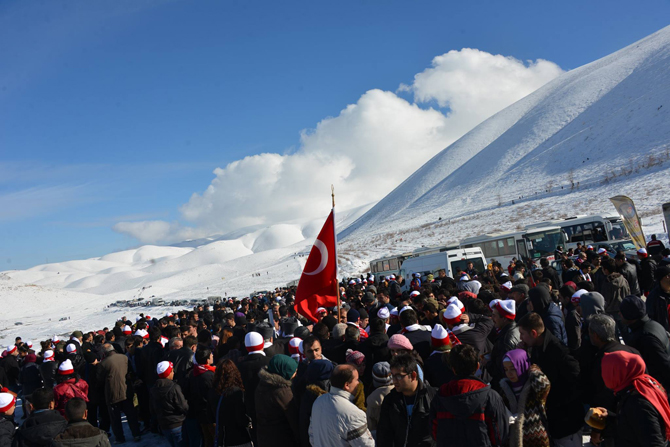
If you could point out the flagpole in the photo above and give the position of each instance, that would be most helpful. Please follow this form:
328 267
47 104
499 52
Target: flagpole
337 288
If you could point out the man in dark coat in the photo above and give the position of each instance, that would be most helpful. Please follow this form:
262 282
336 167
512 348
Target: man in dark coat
503 317
466 411
565 413
550 272
405 413
629 271
48 369
648 268
249 366
182 358
168 402
648 337
659 298
418 335
7 424
196 387
43 424
78 432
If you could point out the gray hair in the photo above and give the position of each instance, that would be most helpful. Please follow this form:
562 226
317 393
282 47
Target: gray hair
338 331
603 326
174 340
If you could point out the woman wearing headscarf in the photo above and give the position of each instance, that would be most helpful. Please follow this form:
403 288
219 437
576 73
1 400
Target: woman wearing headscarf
540 302
643 413
276 410
524 392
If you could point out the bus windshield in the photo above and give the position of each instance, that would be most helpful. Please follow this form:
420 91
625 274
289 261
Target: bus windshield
618 230
544 243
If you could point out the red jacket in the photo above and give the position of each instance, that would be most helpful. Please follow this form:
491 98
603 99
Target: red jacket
65 391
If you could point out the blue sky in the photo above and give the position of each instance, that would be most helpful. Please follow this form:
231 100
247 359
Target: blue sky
120 111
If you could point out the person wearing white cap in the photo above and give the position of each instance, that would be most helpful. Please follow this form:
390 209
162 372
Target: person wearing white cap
7 408
503 315
249 366
437 371
395 291
168 403
69 385
648 268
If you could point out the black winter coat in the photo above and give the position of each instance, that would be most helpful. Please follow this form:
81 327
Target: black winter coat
649 337
629 271
249 366
196 388
182 361
564 409
436 371
11 366
7 430
392 430
421 341
232 426
638 422
507 340
647 274
30 378
551 273
477 334
657 306
168 404
146 360
49 371
276 412
39 429
467 412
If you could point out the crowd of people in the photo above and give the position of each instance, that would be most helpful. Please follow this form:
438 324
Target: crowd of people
517 355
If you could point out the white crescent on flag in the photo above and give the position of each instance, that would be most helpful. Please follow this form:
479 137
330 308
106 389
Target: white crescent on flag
324 258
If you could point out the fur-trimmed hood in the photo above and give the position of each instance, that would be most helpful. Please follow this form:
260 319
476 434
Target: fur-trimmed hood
269 380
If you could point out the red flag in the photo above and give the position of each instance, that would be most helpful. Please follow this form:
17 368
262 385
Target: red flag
318 284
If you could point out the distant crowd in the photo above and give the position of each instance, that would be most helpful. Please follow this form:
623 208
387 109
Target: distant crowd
518 355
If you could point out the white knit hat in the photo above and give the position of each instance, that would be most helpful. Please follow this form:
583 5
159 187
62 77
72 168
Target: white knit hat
456 301
127 330
71 348
394 311
452 314
414 293
253 341
404 309
66 368
11 349
163 369
48 355
506 309
7 401
507 285
601 251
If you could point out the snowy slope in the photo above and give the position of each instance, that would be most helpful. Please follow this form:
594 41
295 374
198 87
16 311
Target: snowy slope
593 120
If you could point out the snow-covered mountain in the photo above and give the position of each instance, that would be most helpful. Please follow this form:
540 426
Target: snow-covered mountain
590 127
597 131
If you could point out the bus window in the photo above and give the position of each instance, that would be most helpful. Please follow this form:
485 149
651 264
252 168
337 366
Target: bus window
544 243
506 247
394 264
386 266
521 249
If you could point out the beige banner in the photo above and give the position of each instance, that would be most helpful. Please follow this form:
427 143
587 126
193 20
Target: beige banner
626 208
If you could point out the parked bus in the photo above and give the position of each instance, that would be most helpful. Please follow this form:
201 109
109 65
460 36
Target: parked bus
501 247
588 229
389 265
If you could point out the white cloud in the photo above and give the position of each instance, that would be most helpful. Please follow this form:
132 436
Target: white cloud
365 151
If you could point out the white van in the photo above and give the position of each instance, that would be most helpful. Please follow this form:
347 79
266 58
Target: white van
451 261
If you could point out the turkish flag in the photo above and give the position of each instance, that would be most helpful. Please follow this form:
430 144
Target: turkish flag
318 285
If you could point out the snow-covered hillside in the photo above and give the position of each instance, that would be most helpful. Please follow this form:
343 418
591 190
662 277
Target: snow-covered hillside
598 127
597 131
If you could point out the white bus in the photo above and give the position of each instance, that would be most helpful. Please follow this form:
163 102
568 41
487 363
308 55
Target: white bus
587 229
389 265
